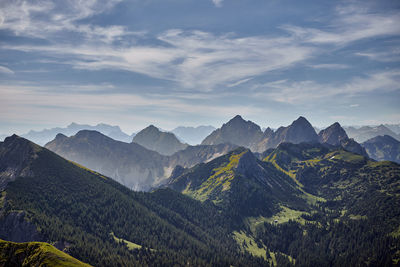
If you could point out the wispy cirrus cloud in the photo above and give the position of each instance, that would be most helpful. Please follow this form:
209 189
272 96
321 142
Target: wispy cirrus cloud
48 19
351 23
6 70
308 91
390 55
193 59
330 66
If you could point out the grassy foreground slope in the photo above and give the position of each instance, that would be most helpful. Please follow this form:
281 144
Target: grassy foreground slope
35 254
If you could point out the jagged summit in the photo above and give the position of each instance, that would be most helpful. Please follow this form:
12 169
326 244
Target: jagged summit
236 131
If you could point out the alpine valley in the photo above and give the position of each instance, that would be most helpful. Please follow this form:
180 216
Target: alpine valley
243 197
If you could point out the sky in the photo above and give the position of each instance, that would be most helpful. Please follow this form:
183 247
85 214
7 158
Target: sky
197 62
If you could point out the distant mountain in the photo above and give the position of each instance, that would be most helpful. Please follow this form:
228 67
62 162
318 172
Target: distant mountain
35 254
394 128
250 136
192 135
383 148
129 163
336 135
164 143
96 220
236 131
364 133
45 136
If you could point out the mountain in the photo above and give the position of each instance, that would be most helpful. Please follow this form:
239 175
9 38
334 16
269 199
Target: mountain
335 135
394 128
285 209
302 199
130 164
192 135
34 254
98 221
383 148
238 183
298 132
247 134
163 142
236 131
364 133
45 136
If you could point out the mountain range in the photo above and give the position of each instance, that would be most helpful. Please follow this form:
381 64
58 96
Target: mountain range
308 199
130 164
46 135
364 133
93 218
235 209
250 135
149 160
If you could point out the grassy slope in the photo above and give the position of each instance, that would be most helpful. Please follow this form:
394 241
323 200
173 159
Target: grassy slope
35 254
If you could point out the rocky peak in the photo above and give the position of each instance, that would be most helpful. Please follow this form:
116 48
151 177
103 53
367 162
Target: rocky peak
333 135
236 131
299 131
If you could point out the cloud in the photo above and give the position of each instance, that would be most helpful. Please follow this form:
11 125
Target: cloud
51 19
390 55
330 66
218 3
239 82
351 24
6 70
193 59
301 92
